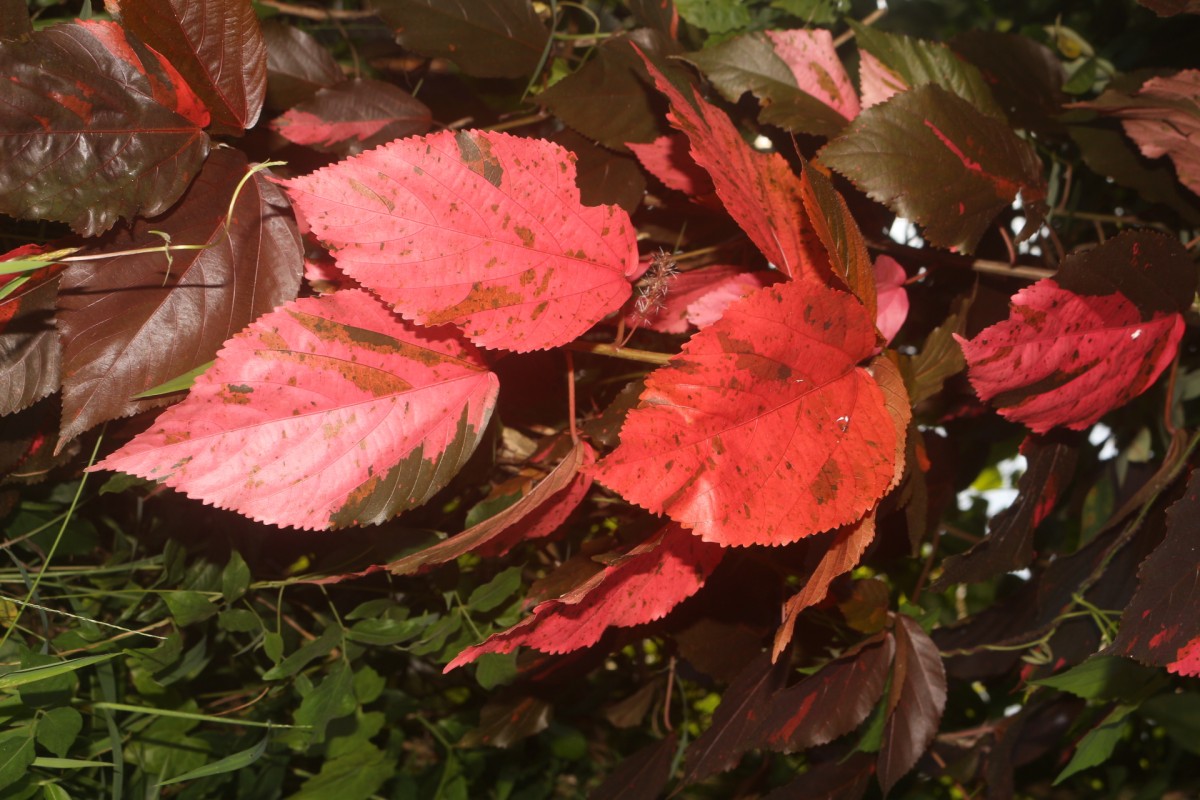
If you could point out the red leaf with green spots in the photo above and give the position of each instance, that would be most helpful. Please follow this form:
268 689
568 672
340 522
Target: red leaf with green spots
765 429
1068 359
641 587
482 230
324 413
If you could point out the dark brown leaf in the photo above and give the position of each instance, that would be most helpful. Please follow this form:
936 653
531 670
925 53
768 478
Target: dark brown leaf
30 358
1153 270
833 779
1025 76
643 775
216 45
297 65
129 323
918 697
14 19
604 177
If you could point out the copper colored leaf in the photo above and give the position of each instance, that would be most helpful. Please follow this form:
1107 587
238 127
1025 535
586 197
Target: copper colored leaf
642 775
1025 76
485 38
354 116
1009 543
763 430
1160 625
324 413
830 703
483 230
744 704
917 699
297 65
839 234
30 358
14 19
217 45
759 190
542 500
97 127
932 157
843 555
131 322
644 586
1065 359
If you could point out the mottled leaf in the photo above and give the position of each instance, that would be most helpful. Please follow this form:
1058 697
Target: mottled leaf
917 699
1066 359
644 586
1160 625
217 45
131 322
30 358
98 126
484 230
878 82
485 38
297 65
325 413
354 116
932 157
763 430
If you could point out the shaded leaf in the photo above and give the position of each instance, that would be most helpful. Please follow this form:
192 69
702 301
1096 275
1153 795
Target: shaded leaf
485 38
1150 269
58 728
30 356
1097 744
641 776
1025 76
356 775
540 505
667 158
930 156
1102 678
644 586
833 779
16 754
917 699
777 375
354 116
1169 8
485 230
216 45
830 703
759 190
1009 543
1159 625
604 177
297 65
230 763
844 552
939 359
1065 359
504 722
744 705
325 413
131 322
14 19
124 142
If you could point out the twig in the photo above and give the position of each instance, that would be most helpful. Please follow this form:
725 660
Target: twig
983 265
870 19
319 14
571 396
627 353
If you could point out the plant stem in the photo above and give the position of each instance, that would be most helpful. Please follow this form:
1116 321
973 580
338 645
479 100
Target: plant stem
627 353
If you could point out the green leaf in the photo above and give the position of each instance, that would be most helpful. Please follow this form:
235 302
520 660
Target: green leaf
354 776
238 620
21 677
1095 747
69 763
180 383
384 632
1102 678
331 699
330 638
493 593
714 16
189 607
1179 713
16 754
273 647
231 763
52 791
57 729
368 685
236 577
495 669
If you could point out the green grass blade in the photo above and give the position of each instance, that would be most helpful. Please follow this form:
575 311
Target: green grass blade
233 763
179 383
20 677
68 763
163 712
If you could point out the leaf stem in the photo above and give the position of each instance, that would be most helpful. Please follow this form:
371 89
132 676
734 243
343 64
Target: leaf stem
870 19
318 14
627 353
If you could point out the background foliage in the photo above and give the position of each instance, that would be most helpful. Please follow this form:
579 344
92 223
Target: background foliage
155 646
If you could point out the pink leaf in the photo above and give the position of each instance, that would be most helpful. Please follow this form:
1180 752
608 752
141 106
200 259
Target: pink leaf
482 230
811 57
699 297
667 159
891 297
878 81
644 586
353 116
763 430
1068 359
324 413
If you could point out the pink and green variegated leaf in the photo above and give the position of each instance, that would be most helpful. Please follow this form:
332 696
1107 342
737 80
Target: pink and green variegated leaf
1067 359
813 60
482 230
764 429
354 116
97 126
324 413
643 586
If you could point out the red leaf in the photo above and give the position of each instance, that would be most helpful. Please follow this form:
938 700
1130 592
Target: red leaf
759 190
1160 626
763 430
480 229
552 500
843 555
131 322
667 158
354 116
644 586
1065 359
30 357
813 60
699 297
216 44
327 412
98 126
891 297
917 699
